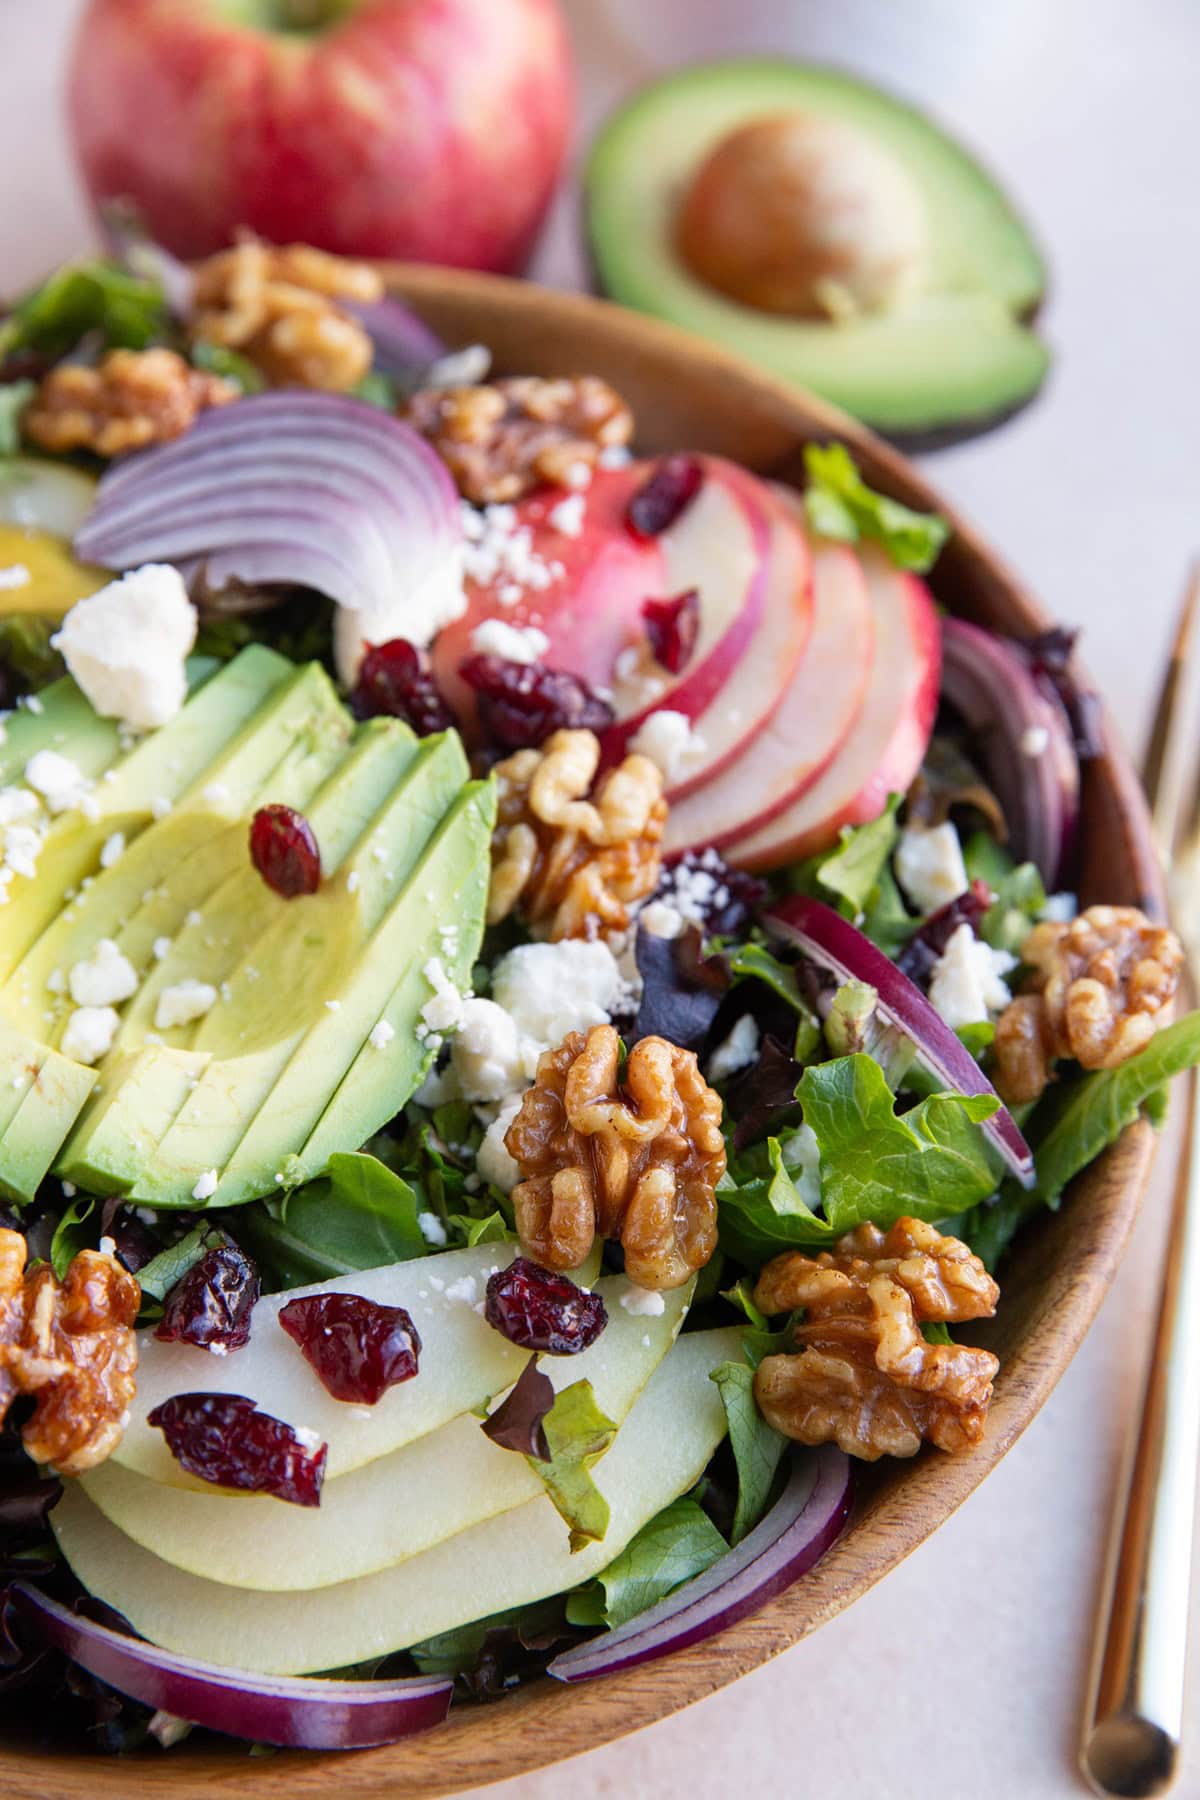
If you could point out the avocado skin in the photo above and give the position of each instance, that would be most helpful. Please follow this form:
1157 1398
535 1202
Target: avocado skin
962 359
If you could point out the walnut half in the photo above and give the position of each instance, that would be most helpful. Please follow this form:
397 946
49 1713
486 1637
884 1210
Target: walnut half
1099 988
865 1377
73 1345
502 440
637 1161
130 400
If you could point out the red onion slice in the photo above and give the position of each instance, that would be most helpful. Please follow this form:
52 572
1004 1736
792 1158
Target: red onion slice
849 955
794 1536
299 1712
1025 739
403 341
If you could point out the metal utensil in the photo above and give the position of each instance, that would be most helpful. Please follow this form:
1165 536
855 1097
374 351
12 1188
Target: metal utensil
1134 1718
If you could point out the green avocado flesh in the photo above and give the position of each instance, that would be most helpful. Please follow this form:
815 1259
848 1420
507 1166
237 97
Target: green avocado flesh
955 354
282 1069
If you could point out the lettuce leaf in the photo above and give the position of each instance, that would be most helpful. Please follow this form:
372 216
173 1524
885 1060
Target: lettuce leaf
359 1216
839 504
679 1543
157 1277
757 1447
71 1235
124 310
577 1433
849 876
14 398
761 1214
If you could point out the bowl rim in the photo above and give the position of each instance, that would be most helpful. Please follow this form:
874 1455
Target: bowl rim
547 1721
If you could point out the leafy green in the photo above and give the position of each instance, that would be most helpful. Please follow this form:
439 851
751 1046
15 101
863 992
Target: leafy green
231 365
359 1216
160 1274
989 1228
1102 1103
493 1228
70 1235
840 505
679 1543
457 1652
762 1211
754 962
757 1447
377 389
877 1165
577 1433
26 650
850 1016
849 875
887 921
125 310
935 1331
14 398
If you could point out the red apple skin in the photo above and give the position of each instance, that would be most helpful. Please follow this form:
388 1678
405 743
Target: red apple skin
432 130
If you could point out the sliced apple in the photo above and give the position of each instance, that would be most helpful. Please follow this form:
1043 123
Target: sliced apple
883 751
522 1556
381 1514
807 727
463 1364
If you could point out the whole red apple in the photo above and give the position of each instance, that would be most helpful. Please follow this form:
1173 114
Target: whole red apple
427 129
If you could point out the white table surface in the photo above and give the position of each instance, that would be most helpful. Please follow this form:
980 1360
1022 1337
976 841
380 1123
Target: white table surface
960 1676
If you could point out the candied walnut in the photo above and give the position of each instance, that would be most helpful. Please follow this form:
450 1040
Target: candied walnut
130 400
572 860
638 1162
504 439
865 1378
278 305
72 1344
1098 989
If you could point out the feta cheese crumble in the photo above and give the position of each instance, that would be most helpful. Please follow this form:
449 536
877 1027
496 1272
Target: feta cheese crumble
551 989
737 1051
381 1035
493 1163
567 516
185 1001
127 645
463 1289
113 850
643 1302
432 1229
930 867
204 1189
486 1054
444 1012
57 779
661 919
967 984
16 575
515 643
103 978
89 1034
668 739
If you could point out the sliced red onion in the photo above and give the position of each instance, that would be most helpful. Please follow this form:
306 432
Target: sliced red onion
403 342
1025 739
849 955
309 489
300 1712
794 1536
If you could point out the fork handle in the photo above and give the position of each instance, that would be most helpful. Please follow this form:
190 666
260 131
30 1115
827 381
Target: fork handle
1131 1743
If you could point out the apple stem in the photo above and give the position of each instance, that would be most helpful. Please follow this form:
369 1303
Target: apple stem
311 15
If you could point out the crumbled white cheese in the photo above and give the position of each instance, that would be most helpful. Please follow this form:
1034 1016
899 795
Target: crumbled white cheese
444 1012
127 645
669 740
515 643
17 804
113 850
215 794
737 1051
104 978
1034 740
643 1302
1061 908
205 1188
432 1229
567 516
463 1289
16 575
161 948
160 806
930 867
493 1162
107 1246
307 1438
353 881
430 598
22 847
551 989
185 1001
966 985
638 678
499 549
333 1006
486 1054
56 778
614 456
89 1034
56 982
459 368
381 1035
661 919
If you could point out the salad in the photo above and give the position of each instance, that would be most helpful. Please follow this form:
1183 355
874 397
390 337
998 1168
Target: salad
537 986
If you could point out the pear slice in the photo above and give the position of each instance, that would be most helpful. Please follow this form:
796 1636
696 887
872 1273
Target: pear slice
463 1364
381 1514
509 1561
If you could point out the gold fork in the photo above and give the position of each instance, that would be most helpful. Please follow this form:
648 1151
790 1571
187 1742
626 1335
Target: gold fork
1134 1718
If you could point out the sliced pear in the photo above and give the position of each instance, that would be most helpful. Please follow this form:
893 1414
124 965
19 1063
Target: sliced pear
395 1507
40 495
509 1561
463 1364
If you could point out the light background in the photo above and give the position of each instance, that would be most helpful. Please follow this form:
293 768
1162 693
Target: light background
960 1676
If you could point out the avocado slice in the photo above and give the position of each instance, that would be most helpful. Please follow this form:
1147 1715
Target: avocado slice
41 1095
952 357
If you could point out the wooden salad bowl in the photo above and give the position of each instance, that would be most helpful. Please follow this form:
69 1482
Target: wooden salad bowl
685 393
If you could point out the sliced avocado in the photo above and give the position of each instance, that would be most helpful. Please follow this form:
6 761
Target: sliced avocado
41 1096
63 716
952 355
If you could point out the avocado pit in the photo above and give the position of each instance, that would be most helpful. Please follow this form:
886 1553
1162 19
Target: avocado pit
800 214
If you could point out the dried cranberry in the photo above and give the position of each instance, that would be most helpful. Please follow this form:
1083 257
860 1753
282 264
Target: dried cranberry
213 1302
284 851
223 1438
539 1310
664 495
521 704
357 1348
395 679
922 950
672 627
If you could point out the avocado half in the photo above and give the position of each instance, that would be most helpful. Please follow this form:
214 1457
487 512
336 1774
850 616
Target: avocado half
955 358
